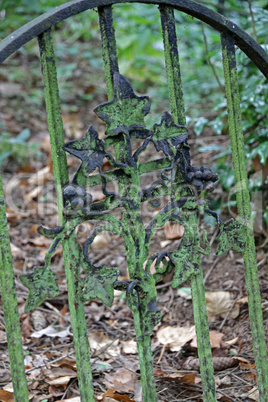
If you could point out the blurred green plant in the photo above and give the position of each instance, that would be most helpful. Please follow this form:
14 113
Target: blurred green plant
17 147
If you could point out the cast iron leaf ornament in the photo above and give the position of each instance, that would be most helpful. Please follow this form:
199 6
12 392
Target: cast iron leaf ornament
124 118
100 285
126 111
167 135
42 285
232 236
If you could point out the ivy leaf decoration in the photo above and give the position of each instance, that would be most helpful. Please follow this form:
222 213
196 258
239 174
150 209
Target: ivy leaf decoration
186 263
42 286
90 150
167 129
126 111
232 236
100 285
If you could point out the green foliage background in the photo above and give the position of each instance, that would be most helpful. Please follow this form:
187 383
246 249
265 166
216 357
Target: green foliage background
140 51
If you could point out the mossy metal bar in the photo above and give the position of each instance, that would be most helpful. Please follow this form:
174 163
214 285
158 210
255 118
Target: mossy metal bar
70 253
130 218
108 46
198 291
10 307
244 210
172 64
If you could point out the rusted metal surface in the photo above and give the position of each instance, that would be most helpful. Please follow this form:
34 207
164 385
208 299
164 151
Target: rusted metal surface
217 21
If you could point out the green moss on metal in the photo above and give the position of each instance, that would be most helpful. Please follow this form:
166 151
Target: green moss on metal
172 64
10 308
70 252
244 209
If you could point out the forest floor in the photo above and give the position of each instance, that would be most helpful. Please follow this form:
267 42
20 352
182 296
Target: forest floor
47 335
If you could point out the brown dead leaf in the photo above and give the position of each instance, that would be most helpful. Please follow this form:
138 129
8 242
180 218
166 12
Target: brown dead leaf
101 241
165 243
5 375
189 377
33 228
6 396
76 399
241 359
33 193
16 251
122 380
114 396
3 337
129 347
99 341
254 394
247 366
175 337
97 196
61 380
72 126
243 300
39 241
215 340
41 177
219 303
232 341
51 332
173 231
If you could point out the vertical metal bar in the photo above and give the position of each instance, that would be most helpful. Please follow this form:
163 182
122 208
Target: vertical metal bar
144 341
198 291
70 253
172 64
244 210
108 46
10 307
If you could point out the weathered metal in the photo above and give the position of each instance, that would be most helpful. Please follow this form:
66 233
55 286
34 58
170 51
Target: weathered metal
244 210
124 115
70 252
186 186
10 307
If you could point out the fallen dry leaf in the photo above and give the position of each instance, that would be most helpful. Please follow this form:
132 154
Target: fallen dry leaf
219 303
175 337
51 332
58 372
41 177
232 341
129 347
101 241
254 394
111 395
189 377
243 300
6 396
61 380
165 243
122 380
173 231
215 340
98 341
76 399
3 337
72 126
97 196
5 375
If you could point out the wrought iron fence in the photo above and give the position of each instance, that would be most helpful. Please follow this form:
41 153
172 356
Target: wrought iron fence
185 184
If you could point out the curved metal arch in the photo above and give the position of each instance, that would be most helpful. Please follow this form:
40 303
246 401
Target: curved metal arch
217 21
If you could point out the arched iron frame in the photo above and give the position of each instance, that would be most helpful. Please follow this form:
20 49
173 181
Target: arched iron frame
231 35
